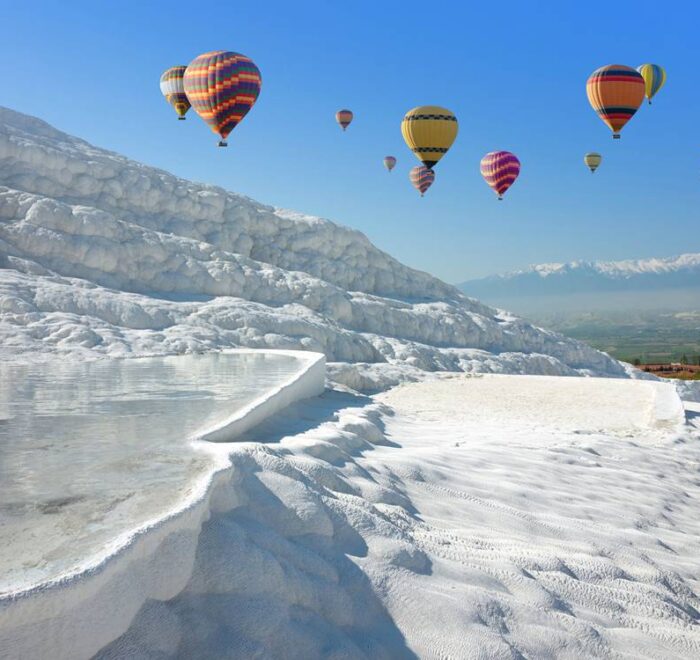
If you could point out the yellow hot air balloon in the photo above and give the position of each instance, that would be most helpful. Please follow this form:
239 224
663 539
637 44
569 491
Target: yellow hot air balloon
654 79
429 132
592 160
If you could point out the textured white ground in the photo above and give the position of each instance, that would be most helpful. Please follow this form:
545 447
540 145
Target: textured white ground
425 523
479 519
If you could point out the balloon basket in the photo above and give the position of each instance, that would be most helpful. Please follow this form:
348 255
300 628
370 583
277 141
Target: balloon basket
181 118
616 136
223 143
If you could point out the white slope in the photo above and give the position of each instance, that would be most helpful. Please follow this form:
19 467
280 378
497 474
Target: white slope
100 255
482 517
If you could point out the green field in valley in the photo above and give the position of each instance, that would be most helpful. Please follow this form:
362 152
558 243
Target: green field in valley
629 336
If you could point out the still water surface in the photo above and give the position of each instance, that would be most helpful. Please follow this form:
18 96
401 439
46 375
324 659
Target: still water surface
91 450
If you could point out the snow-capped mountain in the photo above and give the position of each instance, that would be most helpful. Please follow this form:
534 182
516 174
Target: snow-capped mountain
100 255
590 277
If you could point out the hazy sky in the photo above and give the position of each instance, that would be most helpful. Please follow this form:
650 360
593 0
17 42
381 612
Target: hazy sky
513 72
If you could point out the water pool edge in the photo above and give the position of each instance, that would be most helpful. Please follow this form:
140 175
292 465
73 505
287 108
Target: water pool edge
96 601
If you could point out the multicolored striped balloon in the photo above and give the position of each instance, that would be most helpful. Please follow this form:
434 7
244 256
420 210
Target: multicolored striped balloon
389 162
500 169
615 92
173 89
421 178
344 117
222 87
429 132
592 160
654 79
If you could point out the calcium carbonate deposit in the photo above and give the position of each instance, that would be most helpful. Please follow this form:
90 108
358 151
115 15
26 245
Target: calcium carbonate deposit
100 255
467 515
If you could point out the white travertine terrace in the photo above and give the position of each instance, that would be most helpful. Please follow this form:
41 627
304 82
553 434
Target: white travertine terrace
100 255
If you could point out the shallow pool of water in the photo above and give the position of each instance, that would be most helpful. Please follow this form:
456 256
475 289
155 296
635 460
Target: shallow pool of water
91 450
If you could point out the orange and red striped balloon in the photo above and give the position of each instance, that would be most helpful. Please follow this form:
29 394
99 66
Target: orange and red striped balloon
500 169
615 92
222 88
344 117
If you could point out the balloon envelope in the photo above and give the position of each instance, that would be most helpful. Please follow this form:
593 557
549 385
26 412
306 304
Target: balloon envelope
500 169
421 178
654 78
429 132
615 92
344 117
592 160
389 162
222 87
173 88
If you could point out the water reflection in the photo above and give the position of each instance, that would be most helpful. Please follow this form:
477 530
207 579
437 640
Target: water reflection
88 450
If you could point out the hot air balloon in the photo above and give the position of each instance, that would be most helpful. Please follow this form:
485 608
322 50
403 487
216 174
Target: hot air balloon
500 169
654 79
344 117
615 92
389 162
421 178
222 87
592 160
429 132
172 88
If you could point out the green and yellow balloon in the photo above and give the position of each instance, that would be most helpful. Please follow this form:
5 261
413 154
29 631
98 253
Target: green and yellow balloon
654 79
592 160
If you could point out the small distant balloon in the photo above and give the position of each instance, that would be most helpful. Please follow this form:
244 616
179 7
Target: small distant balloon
344 118
222 87
592 160
615 92
173 89
421 178
654 79
500 169
389 162
429 132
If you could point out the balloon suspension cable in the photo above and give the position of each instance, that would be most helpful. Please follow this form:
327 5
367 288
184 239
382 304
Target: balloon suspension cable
223 143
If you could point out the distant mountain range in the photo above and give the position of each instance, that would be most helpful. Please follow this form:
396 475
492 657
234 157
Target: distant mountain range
672 282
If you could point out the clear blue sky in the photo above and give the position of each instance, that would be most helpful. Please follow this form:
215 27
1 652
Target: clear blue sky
513 72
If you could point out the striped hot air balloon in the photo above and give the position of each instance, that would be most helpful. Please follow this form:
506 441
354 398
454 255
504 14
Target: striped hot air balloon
344 117
421 178
222 87
654 79
615 92
173 89
429 132
389 162
592 160
500 169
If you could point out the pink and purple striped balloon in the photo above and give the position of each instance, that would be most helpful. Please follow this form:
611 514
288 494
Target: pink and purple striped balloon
421 178
500 169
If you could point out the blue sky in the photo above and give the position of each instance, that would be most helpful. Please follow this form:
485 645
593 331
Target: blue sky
513 72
